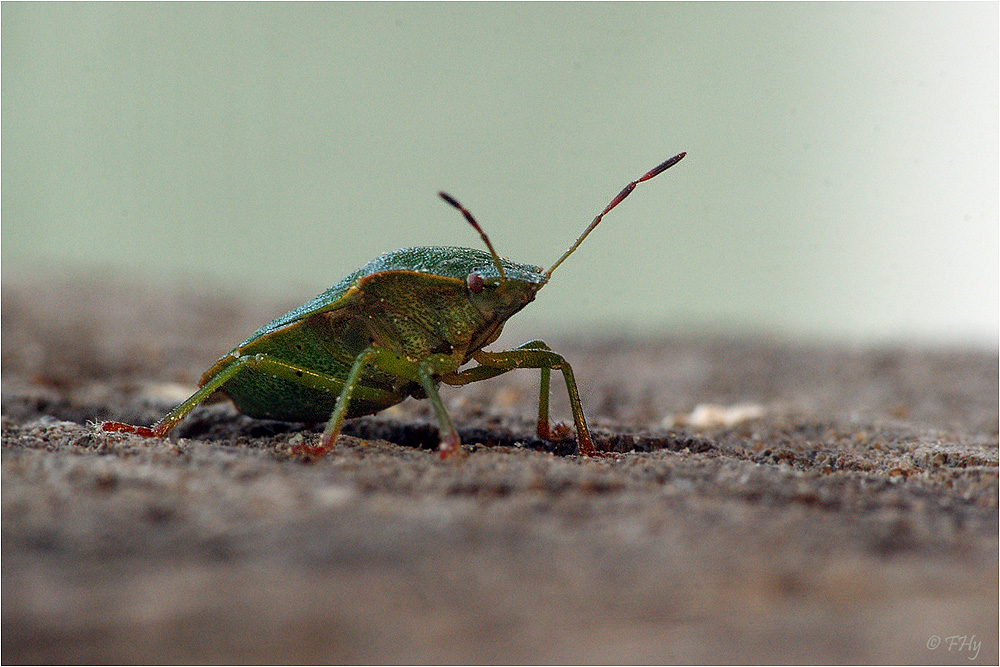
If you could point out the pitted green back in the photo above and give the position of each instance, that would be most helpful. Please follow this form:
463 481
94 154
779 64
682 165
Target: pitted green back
450 262
442 261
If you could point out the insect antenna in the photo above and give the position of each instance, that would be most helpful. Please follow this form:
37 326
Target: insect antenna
626 191
475 225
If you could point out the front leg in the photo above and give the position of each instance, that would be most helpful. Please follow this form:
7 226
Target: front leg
534 354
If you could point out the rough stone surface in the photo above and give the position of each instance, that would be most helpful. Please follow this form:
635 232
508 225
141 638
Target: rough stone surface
836 505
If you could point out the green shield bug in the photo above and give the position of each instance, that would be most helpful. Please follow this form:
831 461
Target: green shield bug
398 326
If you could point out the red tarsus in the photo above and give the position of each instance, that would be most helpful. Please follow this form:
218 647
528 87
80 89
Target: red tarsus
449 446
119 427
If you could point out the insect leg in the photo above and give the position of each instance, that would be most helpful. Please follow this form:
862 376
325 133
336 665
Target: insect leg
534 354
329 437
175 416
450 441
486 372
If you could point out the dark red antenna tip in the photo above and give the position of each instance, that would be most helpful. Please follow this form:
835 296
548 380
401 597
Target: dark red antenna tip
475 225
667 164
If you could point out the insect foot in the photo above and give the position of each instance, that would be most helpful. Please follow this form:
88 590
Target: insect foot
120 427
450 446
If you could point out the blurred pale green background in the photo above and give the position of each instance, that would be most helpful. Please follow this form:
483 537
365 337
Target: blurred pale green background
841 179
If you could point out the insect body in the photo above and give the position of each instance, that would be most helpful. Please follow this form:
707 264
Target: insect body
397 327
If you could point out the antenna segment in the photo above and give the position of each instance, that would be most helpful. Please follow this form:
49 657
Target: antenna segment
475 225
626 191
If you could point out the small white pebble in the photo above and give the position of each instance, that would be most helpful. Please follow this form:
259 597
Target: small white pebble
706 415
333 495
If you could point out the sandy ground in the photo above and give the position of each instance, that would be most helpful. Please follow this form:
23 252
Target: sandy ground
838 506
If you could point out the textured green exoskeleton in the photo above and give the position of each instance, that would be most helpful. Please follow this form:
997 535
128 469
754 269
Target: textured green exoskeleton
398 326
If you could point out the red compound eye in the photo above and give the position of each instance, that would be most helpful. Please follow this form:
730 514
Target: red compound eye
474 282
